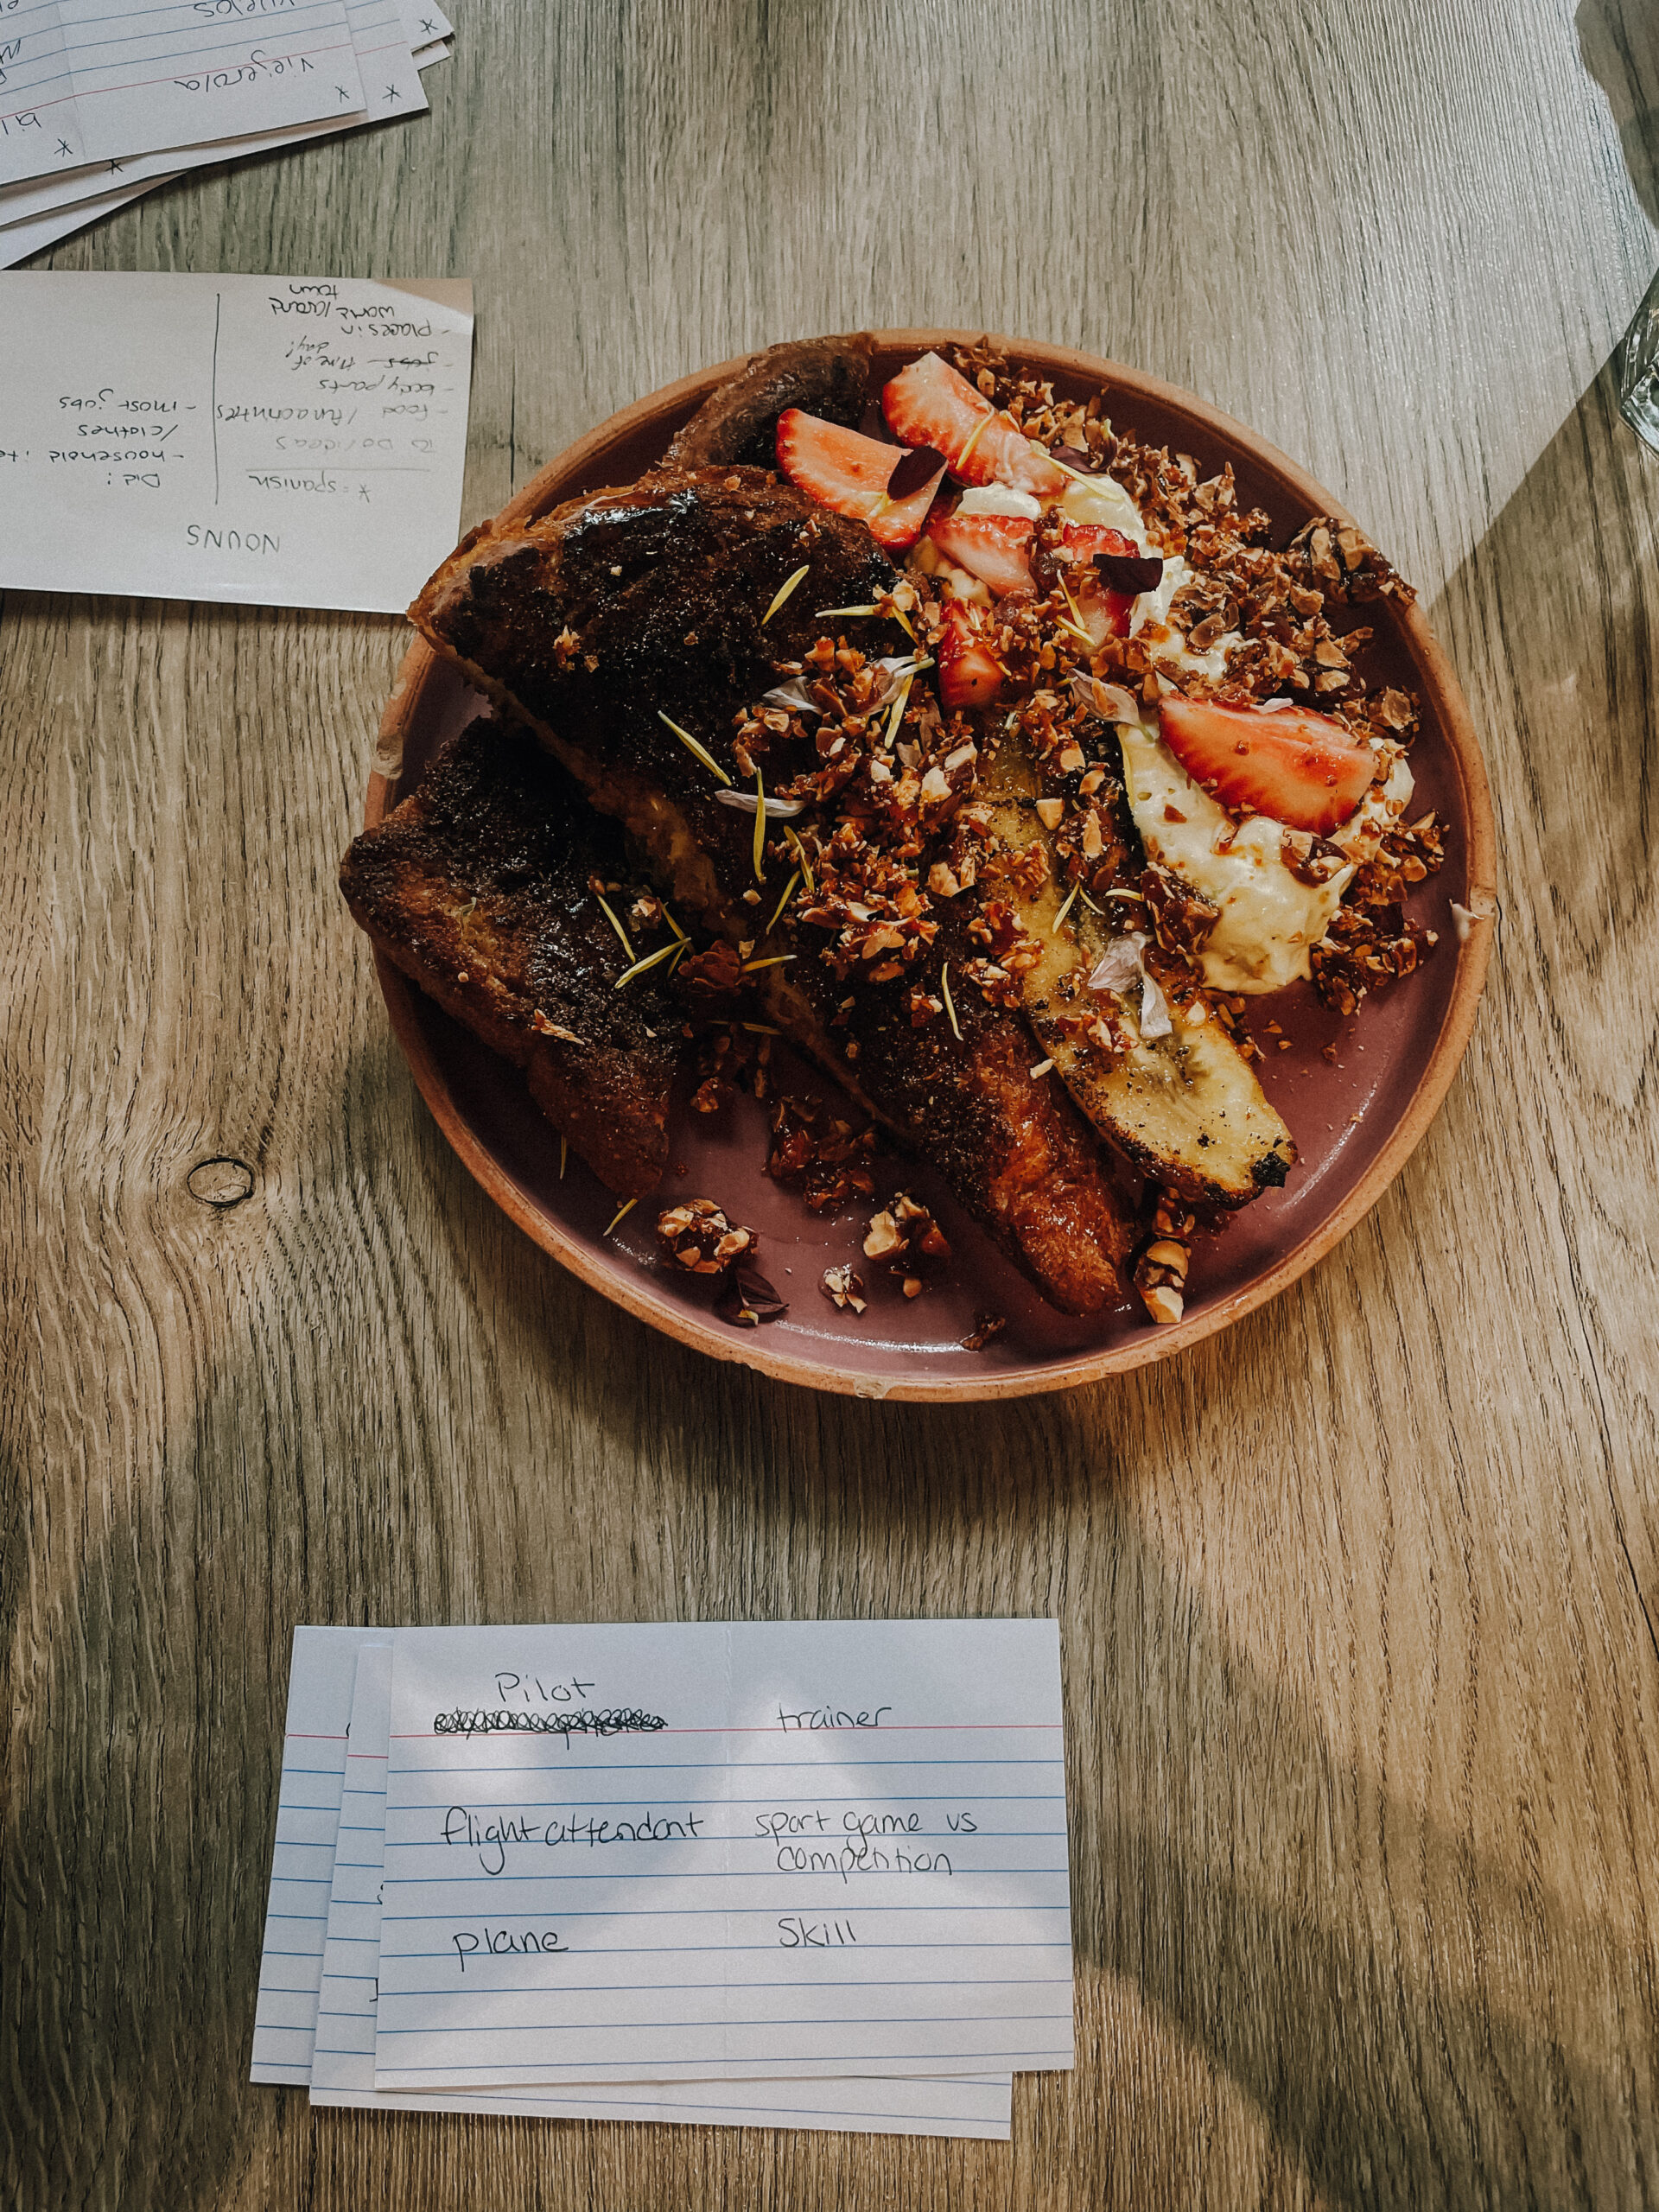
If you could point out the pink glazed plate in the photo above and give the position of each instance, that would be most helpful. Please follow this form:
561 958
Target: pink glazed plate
1355 1120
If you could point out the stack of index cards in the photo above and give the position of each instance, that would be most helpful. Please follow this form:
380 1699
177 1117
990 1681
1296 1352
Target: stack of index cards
806 1874
101 102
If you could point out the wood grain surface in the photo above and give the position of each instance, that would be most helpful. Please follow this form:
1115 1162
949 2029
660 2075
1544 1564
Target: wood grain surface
1359 1603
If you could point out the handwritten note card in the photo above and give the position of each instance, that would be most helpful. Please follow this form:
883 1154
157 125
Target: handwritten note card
320 1685
385 64
279 442
706 1852
342 2065
84 80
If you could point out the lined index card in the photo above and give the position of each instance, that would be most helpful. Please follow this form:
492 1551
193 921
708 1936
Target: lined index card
703 1852
303 1861
385 64
342 2064
86 80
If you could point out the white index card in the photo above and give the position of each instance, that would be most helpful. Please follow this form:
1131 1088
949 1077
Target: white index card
699 1852
276 441
86 80
342 2065
303 1859
384 63
423 24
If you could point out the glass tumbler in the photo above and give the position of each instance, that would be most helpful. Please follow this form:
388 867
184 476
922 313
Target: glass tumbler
1637 366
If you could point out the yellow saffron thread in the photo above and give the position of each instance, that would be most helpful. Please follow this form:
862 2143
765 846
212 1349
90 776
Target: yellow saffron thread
805 866
663 952
974 437
896 720
610 916
698 751
784 590
777 911
950 1003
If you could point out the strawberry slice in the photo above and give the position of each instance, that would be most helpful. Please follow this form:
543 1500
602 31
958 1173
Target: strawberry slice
847 473
930 404
1105 613
1298 767
970 672
994 547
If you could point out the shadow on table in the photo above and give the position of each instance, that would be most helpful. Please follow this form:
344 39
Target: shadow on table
136 1863
1618 43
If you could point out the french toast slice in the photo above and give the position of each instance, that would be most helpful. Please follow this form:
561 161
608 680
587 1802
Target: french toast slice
626 612
479 888
826 377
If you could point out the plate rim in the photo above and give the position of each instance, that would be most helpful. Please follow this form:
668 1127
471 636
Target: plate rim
422 667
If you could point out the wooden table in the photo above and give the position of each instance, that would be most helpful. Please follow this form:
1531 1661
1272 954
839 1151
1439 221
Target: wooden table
1358 1603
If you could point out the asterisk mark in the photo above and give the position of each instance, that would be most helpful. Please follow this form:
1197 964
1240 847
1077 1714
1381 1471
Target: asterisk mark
64 147
392 92
341 89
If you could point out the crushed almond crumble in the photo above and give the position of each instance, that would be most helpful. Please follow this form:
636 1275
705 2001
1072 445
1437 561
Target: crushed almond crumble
697 1234
905 1236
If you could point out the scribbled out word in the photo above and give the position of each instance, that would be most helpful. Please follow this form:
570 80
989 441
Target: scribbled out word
623 1721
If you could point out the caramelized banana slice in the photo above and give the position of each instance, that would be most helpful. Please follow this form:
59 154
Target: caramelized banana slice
1185 1107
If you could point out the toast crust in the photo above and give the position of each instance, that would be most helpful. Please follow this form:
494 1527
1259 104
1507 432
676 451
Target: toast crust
827 377
477 886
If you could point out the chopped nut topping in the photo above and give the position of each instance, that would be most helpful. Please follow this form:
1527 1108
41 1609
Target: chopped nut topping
843 1289
697 1234
1160 1271
544 1027
986 1325
885 1237
824 1157
905 1235
1368 942
1311 859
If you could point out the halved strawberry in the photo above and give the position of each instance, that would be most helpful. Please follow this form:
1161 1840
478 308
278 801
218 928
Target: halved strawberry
970 672
994 547
1298 767
930 404
847 471
1104 611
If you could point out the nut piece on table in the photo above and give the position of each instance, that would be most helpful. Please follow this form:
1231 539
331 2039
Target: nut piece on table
697 1234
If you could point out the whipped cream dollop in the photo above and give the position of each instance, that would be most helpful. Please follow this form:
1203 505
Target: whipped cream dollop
1103 499
1270 919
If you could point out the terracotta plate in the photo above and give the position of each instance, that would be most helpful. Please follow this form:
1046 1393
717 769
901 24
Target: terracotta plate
1356 1121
